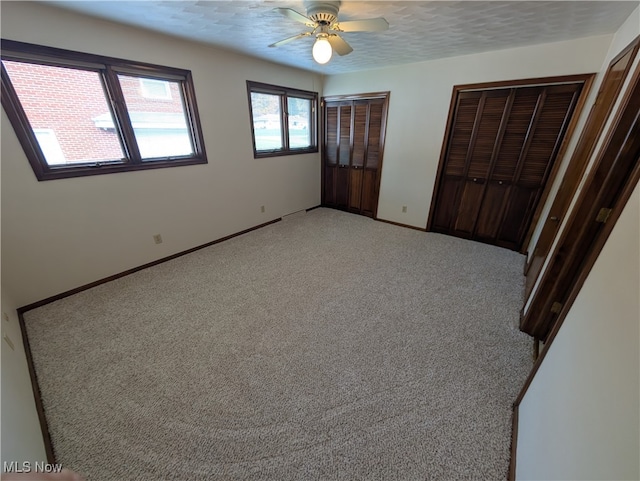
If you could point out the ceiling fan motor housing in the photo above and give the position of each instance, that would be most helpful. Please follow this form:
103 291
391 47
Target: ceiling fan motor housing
324 13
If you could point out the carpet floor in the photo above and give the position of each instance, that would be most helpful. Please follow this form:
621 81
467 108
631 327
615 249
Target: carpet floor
327 346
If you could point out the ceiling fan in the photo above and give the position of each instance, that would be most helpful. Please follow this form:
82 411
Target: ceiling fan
322 17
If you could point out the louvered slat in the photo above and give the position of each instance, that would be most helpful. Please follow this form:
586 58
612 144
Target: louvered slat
345 134
545 138
461 135
373 130
515 134
492 111
331 149
359 129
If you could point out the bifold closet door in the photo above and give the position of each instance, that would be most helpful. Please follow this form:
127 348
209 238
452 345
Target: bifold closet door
610 88
352 154
501 148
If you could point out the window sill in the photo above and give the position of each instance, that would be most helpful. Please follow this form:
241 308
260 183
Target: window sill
67 172
279 153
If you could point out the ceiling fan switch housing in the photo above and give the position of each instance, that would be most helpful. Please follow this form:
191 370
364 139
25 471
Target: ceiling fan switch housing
324 13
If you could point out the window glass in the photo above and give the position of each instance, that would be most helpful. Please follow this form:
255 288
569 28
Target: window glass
68 112
299 122
266 121
78 114
159 123
283 120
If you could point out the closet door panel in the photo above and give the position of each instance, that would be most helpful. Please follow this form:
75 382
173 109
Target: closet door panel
355 192
330 154
329 184
369 194
492 210
342 187
515 135
344 150
486 134
460 140
352 157
375 134
331 135
446 211
359 134
469 207
521 201
553 119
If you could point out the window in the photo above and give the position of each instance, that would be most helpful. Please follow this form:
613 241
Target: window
78 114
283 120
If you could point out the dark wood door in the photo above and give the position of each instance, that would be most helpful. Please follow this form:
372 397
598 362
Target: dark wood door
500 151
352 152
604 194
607 95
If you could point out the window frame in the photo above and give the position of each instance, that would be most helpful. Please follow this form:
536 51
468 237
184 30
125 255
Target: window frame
108 69
284 93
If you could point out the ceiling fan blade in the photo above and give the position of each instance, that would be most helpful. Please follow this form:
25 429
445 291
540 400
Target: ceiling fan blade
293 15
339 45
290 39
366 25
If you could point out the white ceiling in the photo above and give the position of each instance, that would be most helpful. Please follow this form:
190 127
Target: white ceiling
419 30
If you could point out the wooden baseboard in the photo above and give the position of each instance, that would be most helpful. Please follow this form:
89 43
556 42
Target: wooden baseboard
422 229
44 426
314 207
511 475
35 387
68 293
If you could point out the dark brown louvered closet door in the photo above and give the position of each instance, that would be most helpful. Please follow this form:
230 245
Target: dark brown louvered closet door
352 153
501 147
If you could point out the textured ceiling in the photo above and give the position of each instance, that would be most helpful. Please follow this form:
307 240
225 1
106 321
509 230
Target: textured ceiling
419 30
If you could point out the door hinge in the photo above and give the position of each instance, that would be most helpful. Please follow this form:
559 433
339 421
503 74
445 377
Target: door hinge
603 215
556 307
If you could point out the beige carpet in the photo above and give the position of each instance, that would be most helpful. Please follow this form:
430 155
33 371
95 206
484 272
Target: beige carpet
327 346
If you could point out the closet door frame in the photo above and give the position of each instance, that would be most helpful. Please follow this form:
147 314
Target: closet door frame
383 127
586 79
601 110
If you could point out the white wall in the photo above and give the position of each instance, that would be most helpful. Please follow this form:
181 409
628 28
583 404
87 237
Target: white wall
61 234
580 417
419 105
21 435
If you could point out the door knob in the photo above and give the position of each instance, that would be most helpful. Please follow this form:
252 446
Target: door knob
554 218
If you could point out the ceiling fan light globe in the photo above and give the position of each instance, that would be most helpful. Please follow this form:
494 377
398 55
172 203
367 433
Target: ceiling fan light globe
322 51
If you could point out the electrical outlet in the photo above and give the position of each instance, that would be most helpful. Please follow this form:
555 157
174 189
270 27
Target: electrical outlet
157 238
404 209
262 209
5 316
